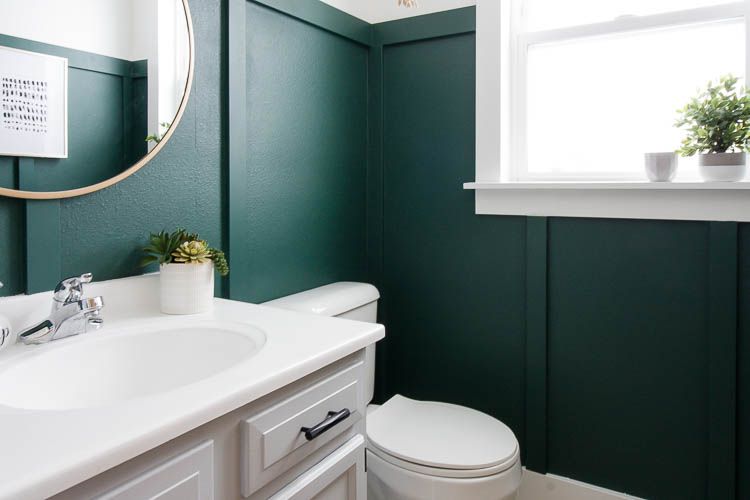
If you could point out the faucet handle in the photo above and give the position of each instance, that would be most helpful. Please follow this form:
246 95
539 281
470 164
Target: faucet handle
71 289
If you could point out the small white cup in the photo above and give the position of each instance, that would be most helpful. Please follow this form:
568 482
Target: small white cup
660 167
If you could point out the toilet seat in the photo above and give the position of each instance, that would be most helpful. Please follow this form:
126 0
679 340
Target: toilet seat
440 439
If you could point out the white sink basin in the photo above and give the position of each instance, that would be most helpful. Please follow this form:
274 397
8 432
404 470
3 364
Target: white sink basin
103 368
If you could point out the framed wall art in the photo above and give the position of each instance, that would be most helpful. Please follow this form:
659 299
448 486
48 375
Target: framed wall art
33 104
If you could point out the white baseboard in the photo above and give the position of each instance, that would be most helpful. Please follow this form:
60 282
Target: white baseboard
535 486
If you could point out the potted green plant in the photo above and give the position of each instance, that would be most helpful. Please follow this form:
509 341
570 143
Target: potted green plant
717 121
186 270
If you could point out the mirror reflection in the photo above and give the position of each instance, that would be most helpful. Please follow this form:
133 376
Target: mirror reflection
87 87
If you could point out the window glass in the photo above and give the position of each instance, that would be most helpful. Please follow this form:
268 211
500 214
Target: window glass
599 103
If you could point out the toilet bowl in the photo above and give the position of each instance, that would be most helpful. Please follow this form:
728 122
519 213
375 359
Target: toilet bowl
420 450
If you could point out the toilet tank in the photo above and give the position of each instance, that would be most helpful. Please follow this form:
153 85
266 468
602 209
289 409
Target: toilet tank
350 300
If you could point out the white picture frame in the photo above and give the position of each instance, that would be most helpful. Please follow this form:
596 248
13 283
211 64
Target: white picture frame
33 104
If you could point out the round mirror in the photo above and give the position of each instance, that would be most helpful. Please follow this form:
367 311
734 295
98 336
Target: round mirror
90 90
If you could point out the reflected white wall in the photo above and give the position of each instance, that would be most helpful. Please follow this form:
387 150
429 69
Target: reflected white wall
99 26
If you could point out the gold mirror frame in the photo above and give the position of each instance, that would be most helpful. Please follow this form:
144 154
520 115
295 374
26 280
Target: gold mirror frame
70 193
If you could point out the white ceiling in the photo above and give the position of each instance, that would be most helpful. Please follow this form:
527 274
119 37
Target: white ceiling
378 11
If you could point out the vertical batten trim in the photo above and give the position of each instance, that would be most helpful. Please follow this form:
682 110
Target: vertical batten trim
238 173
375 173
375 205
722 359
43 245
536 344
127 118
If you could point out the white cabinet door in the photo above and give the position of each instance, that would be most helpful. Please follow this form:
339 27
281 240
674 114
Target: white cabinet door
188 476
272 441
339 476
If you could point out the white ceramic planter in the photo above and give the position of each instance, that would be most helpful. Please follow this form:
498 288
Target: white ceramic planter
186 288
722 167
660 167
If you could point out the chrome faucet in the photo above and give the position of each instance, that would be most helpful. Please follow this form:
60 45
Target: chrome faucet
71 314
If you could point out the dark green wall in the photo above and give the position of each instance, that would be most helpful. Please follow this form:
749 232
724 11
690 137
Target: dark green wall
445 268
299 214
628 337
743 364
607 345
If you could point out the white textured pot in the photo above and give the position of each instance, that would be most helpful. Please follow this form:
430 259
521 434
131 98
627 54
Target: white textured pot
186 288
722 167
660 167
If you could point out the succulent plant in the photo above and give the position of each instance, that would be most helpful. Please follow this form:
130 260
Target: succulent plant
192 252
160 247
181 247
220 261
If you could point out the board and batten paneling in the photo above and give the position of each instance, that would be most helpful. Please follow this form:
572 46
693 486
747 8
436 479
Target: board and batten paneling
619 323
607 345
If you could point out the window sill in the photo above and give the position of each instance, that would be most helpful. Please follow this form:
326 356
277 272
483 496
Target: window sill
621 200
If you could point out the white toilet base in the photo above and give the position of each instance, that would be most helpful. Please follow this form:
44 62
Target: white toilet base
389 482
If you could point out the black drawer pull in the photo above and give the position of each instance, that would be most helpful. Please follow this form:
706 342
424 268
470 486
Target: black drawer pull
333 418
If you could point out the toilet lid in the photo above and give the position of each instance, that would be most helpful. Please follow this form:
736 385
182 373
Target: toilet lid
441 435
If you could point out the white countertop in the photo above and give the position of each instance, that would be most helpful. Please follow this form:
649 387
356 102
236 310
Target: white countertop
44 452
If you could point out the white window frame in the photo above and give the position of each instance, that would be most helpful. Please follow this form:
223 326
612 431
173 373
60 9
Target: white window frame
500 184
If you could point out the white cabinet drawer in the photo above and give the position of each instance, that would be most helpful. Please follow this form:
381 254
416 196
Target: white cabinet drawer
339 476
188 476
273 441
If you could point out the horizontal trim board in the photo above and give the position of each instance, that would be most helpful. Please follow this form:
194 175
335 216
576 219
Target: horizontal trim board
323 16
76 58
439 24
706 205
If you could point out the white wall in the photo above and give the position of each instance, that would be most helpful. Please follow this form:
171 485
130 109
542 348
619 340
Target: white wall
145 45
100 26
378 11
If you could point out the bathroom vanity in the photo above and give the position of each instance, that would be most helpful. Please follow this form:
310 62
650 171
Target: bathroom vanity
244 402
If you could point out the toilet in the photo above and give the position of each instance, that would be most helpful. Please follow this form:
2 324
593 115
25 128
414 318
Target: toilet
420 450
